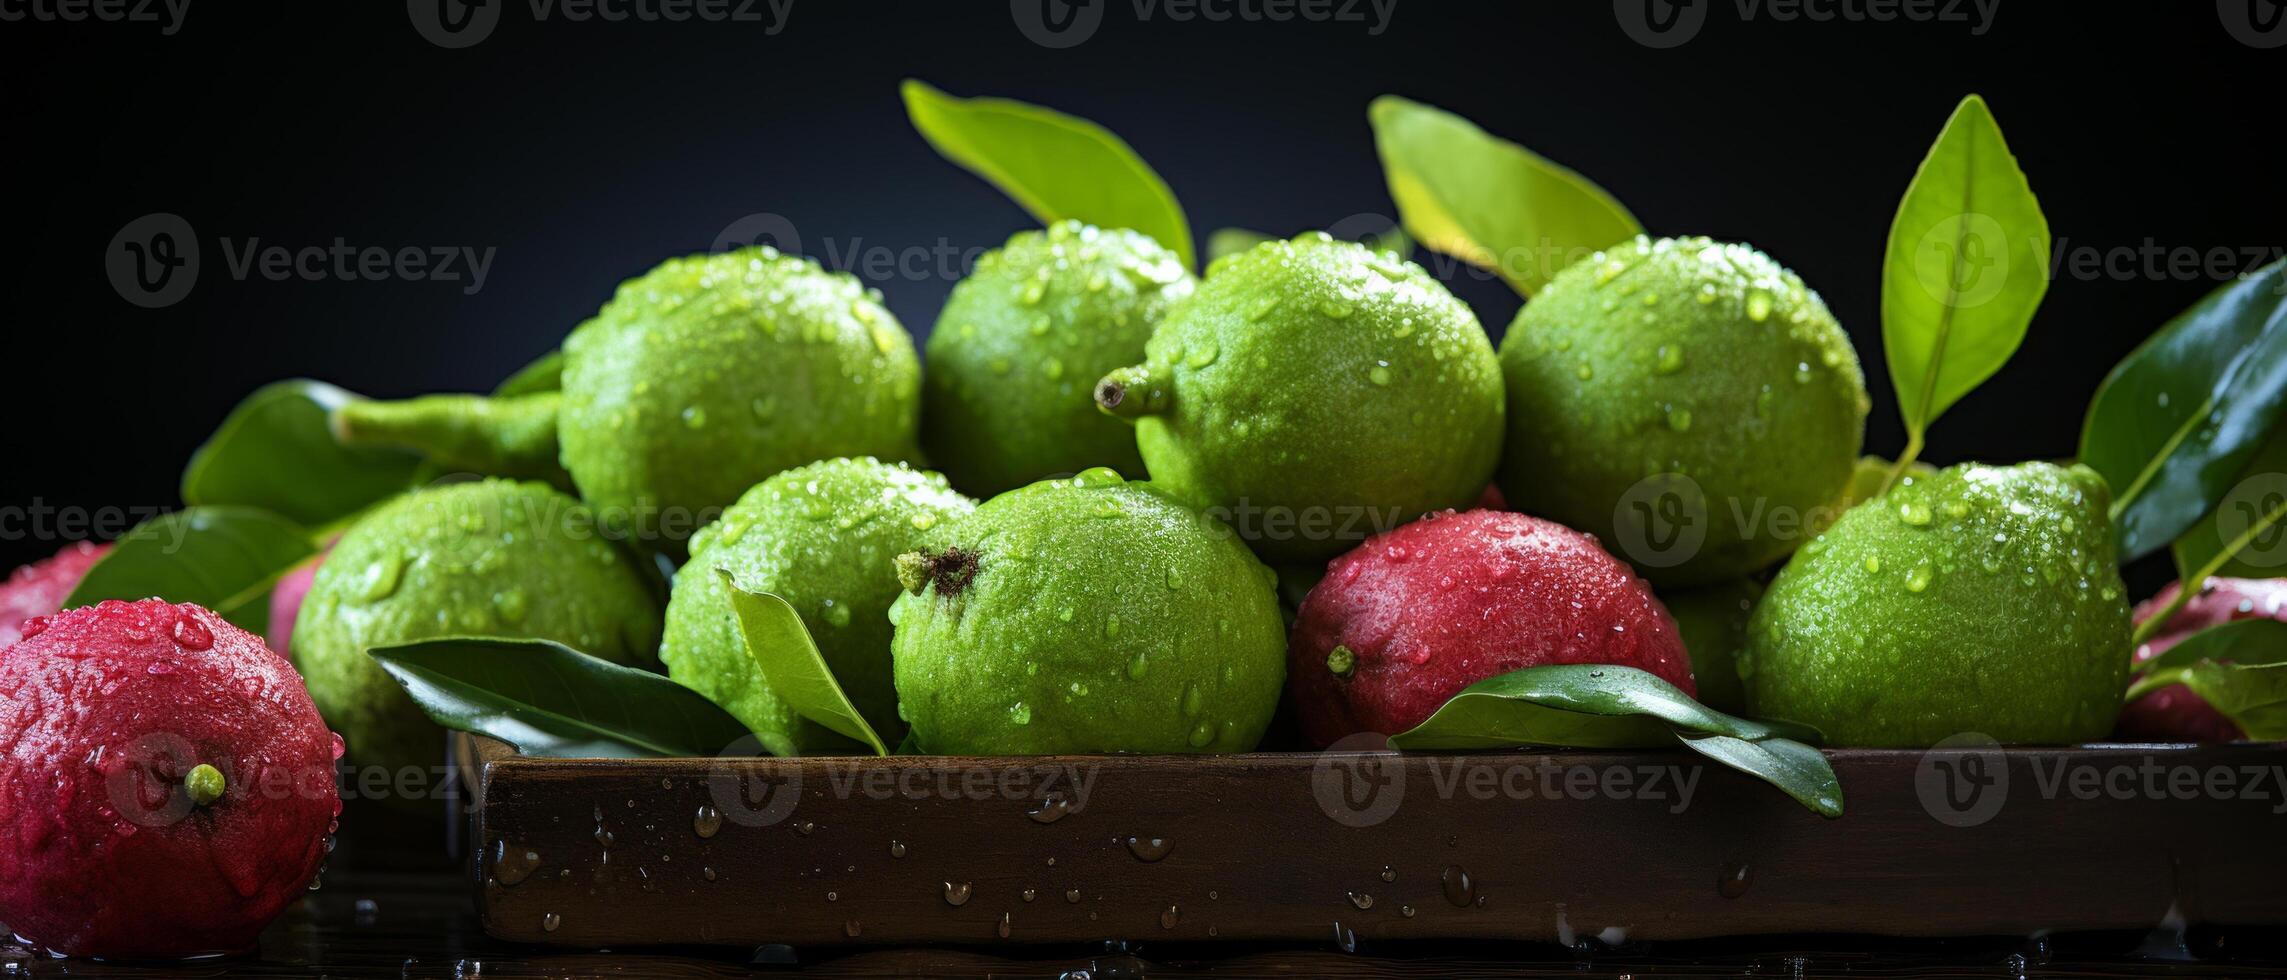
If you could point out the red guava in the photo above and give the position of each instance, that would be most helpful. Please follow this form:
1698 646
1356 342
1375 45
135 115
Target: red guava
41 587
286 603
2174 713
1442 603
168 786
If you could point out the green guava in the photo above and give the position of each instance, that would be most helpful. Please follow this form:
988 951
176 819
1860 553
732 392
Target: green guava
1712 620
824 537
1980 599
1083 615
1313 392
696 381
492 558
1023 339
1685 365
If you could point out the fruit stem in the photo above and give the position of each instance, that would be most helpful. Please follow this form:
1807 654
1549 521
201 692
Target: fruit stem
1341 662
1905 459
1132 392
204 783
513 437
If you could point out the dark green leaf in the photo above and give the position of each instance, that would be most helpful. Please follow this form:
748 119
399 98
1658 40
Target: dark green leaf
550 700
789 660
545 374
2175 426
1580 705
1796 769
1487 201
1967 264
275 452
223 558
2245 536
1055 165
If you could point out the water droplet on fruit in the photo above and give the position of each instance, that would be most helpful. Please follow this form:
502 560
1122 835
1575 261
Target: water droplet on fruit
190 634
1380 374
1020 713
956 895
380 579
1758 305
1918 578
1668 359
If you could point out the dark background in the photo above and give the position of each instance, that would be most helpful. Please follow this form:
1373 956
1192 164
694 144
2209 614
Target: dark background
584 152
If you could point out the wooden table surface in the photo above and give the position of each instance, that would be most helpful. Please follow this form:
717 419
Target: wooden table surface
423 924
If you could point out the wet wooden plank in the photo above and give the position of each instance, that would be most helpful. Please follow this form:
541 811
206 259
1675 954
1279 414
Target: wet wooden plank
1320 848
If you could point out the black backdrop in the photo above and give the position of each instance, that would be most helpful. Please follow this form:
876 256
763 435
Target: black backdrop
579 152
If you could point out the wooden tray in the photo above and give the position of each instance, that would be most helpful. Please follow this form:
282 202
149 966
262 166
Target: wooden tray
1308 847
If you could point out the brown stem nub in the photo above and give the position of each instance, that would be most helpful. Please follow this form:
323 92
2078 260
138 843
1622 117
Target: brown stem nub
950 571
1132 392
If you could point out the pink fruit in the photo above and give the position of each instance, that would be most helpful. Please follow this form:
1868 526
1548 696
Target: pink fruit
40 588
286 604
167 786
1437 605
2174 713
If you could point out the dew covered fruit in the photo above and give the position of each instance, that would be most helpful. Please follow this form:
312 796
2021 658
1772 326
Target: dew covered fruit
1980 599
167 788
1407 620
40 588
696 381
824 537
1021 342
1713 622
2174 713
1312 392
493 558
1686 366
1085 615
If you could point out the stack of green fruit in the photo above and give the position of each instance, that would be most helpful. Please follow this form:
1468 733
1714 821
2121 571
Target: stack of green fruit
1693 404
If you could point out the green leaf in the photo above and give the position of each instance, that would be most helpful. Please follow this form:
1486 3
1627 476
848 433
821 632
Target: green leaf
2247 641
1606 707
275 452
2244 536
223 558
1615 707
1796 769
1487 201
2175 425
2253 696
789 660
1966 267
551 700
545 374
1056 166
